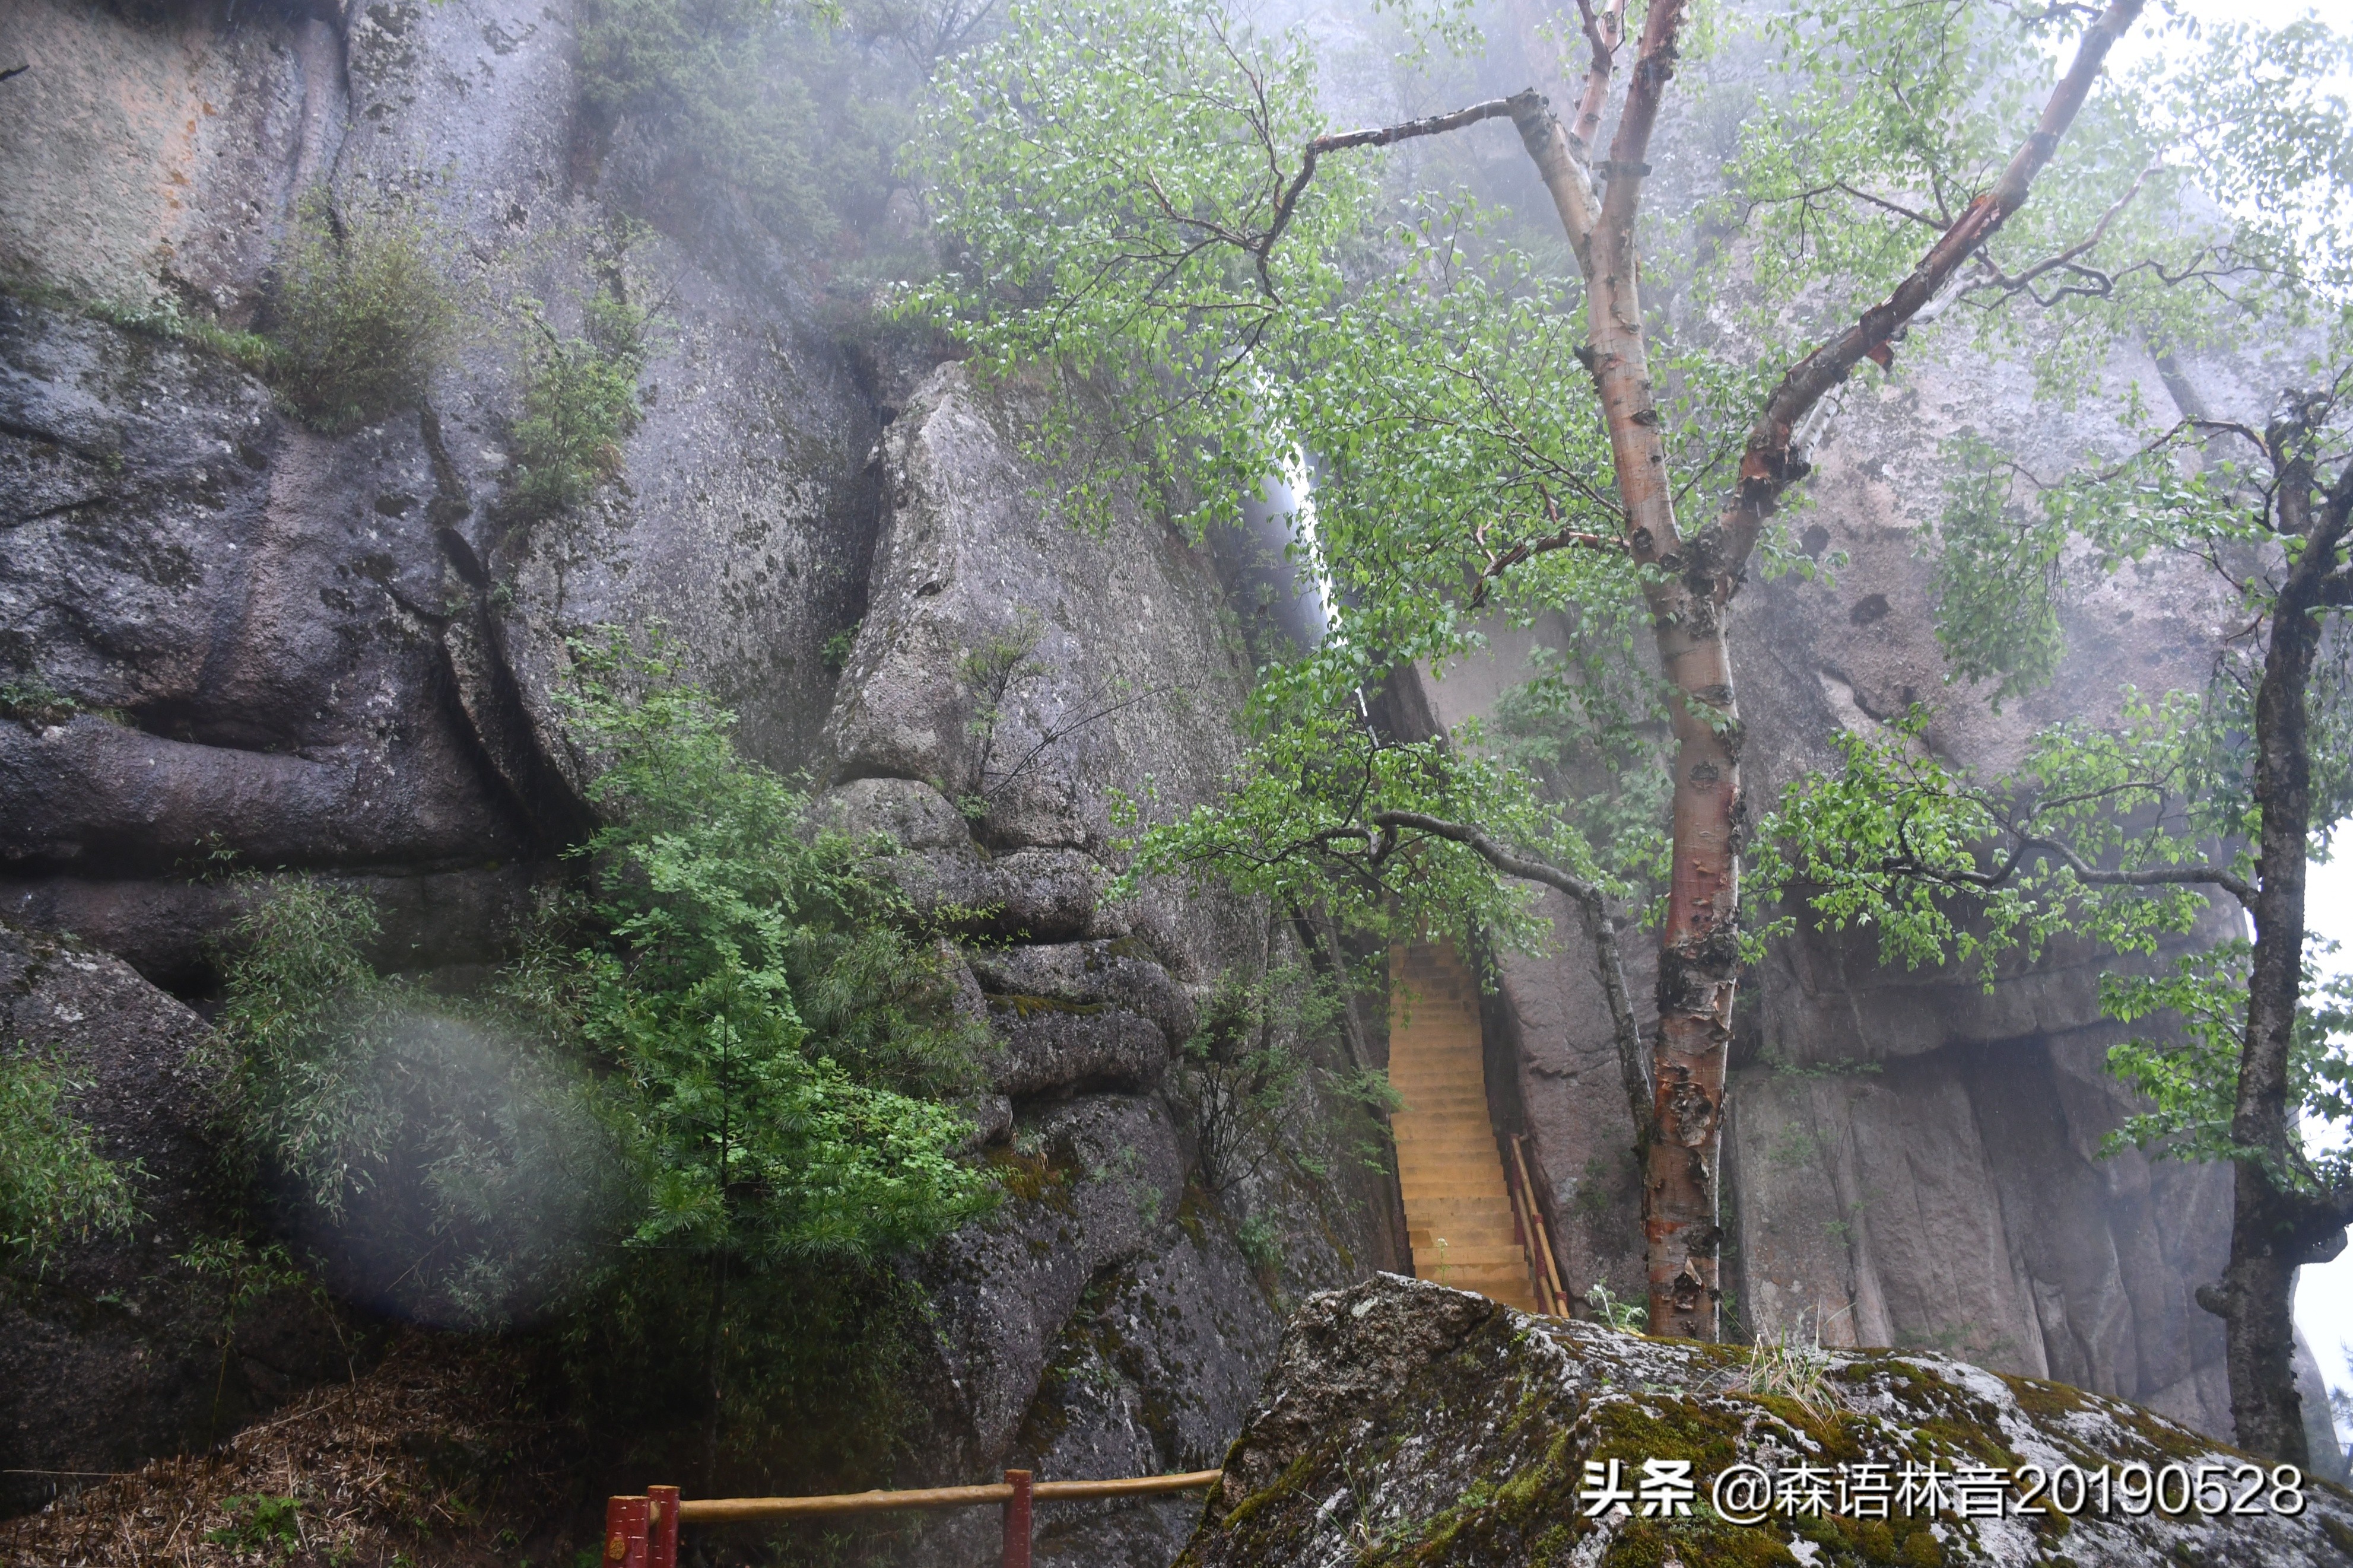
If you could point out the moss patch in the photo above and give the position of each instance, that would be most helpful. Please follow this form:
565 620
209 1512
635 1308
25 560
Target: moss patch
1024 1004
1472 1448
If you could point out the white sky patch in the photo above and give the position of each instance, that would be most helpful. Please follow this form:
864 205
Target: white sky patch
2324 1292
2151 33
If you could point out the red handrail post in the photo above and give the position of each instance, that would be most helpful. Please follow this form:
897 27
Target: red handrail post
661 1527
624 1533
1016 1520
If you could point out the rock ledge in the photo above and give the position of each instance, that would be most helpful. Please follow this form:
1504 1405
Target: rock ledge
1407 1421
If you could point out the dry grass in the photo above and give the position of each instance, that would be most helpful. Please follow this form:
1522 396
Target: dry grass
424 1460
1794 1367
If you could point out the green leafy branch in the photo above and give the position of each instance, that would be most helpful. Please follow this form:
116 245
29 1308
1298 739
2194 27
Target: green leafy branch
2191 1081
2089 839
55 1187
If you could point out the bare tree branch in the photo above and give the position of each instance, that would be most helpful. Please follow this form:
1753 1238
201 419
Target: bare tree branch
1598 923
1910 863
2023 282
1604 31
1769 466
1566 539
1494 108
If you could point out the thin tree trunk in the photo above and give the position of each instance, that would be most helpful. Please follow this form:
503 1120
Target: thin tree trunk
2273 1227
714 1328
1699 946
1698 949
2260 1281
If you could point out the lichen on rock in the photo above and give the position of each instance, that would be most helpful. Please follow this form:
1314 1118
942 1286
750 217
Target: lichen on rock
1410 1423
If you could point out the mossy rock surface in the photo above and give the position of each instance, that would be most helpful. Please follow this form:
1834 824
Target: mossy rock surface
1407 1423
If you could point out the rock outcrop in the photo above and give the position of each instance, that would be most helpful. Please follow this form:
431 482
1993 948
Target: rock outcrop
1109 1321
132 1346
1405 1422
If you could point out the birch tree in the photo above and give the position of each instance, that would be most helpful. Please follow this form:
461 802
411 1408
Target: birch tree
1143 208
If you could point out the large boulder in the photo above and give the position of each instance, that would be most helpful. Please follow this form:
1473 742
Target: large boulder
1021 656
1405 1422
124 1347
1110 1320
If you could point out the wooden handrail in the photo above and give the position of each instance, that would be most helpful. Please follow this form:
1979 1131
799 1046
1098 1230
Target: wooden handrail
1544 1233
1527 1226
731 1510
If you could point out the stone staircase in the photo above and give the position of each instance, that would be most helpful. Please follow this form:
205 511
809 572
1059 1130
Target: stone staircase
1458 1207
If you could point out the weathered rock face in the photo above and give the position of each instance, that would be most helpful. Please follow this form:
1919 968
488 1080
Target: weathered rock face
231 628
1108 1320
276 649
123 1351
1405 1422
159 144
1912 1150
1912 1160
230 640
1120 665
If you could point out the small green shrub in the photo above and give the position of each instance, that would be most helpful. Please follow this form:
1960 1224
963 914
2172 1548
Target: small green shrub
1242 1075
1627 1317
580 399
696 1121
838 647
442 1159
261 1523
245 1275
32 702
364 314
54 1186
1260 1240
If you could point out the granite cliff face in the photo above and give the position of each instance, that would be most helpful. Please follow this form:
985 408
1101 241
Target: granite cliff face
230 640
1109 1323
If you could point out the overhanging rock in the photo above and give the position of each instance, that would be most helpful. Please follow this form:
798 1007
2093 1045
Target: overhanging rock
1408 1422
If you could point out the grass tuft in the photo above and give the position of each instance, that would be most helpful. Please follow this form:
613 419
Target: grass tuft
1793 1368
